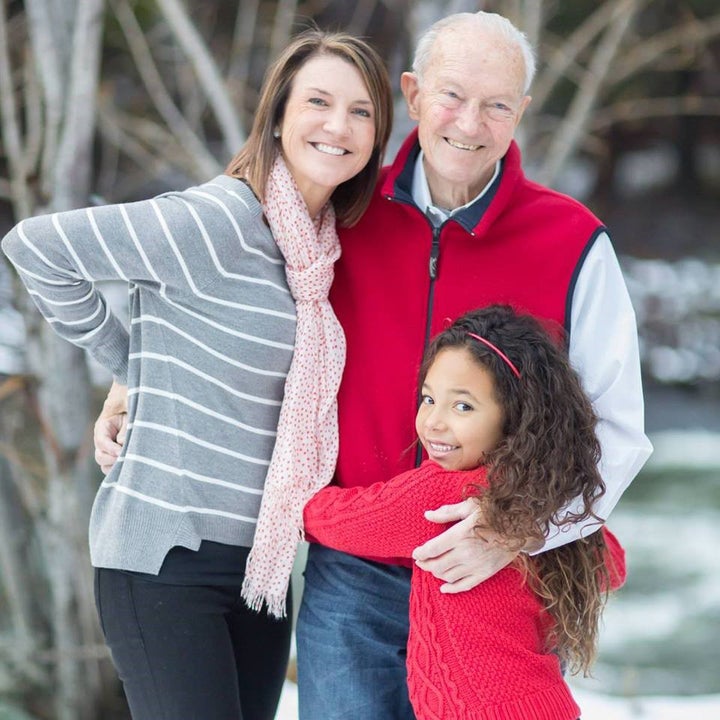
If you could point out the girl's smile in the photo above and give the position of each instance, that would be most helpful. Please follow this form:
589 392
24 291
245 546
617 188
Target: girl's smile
459 418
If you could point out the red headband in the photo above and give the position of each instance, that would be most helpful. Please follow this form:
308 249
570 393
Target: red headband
499 352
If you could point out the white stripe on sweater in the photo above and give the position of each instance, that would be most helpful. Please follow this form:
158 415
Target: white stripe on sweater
175 397
71 250
83 320
207 348
216 260
139 247
103 245
174 432
83 339
233 222
59 303
227 330
176 508
194 371
46 261
196 290
181 308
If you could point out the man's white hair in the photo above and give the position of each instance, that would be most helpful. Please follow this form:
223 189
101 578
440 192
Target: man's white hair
484 20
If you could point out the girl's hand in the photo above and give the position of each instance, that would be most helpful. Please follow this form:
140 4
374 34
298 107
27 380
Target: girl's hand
459 556
110 428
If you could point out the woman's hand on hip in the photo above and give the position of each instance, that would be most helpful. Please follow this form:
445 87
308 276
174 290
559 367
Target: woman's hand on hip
111 427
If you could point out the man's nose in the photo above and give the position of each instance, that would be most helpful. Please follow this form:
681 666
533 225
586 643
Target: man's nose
471 118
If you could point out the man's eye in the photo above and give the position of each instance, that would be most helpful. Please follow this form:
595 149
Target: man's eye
500 111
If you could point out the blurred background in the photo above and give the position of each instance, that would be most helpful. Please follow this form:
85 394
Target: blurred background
119 100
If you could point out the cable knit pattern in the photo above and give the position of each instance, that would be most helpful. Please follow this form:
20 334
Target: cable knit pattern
306 448
477 655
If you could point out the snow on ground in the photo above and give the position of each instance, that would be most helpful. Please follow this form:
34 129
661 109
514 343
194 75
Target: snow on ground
594 706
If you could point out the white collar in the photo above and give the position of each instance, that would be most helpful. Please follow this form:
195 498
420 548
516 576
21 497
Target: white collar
422 198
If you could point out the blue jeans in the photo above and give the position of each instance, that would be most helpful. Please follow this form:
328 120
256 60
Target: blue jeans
351 639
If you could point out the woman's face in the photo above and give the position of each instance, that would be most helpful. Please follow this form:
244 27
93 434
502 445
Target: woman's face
328 129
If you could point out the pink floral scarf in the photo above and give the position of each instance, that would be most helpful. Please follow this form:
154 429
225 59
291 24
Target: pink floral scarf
306 446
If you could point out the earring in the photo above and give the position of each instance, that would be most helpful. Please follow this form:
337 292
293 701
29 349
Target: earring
276 133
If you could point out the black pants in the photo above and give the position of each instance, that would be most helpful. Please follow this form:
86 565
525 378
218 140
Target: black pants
191 652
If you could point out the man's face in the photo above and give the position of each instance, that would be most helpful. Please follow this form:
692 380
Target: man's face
467 106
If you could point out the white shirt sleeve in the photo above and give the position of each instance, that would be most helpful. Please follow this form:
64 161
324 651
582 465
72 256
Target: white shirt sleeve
604 351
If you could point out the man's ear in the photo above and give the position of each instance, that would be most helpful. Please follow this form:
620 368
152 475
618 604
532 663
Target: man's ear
521 111
411 90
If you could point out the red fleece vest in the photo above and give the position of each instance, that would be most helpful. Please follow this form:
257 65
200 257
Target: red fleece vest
525 250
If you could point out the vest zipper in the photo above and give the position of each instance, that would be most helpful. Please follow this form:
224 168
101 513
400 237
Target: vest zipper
432 272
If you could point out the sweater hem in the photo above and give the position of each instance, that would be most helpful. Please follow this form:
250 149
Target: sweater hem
554 703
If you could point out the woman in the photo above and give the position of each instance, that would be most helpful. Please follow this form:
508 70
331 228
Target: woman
214 274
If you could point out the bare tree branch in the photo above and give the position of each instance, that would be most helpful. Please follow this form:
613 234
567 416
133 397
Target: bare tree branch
570 131
645 108
147 142
33 113
206 164
48 62
284 17
72 166
15 579
114 131
207 72
238 74
361 17
532 20
568 51
642 55
10 128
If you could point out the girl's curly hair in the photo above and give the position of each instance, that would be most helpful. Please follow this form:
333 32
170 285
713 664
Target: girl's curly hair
543 472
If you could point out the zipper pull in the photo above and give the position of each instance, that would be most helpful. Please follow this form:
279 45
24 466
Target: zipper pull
434 254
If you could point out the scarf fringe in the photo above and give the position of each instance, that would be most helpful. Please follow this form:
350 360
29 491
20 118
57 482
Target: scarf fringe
256 598
255 592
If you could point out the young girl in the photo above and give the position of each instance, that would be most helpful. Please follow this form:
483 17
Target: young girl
503 419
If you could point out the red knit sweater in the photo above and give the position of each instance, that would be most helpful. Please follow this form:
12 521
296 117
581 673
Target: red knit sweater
476 655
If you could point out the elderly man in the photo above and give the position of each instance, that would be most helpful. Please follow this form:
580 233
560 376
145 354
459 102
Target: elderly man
454 225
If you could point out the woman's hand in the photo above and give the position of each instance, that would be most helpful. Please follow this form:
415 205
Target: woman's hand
459 556
111 427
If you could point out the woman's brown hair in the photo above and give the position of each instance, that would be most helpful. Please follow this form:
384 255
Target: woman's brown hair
254 161
544 470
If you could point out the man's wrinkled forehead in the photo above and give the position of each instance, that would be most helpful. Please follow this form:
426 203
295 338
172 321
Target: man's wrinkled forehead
463 52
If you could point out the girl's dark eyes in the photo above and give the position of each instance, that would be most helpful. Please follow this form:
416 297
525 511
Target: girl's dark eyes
426 400
464 407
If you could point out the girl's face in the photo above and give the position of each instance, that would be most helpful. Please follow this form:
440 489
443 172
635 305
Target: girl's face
328 128
459 418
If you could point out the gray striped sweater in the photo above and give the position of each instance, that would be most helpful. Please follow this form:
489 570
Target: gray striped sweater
212 327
